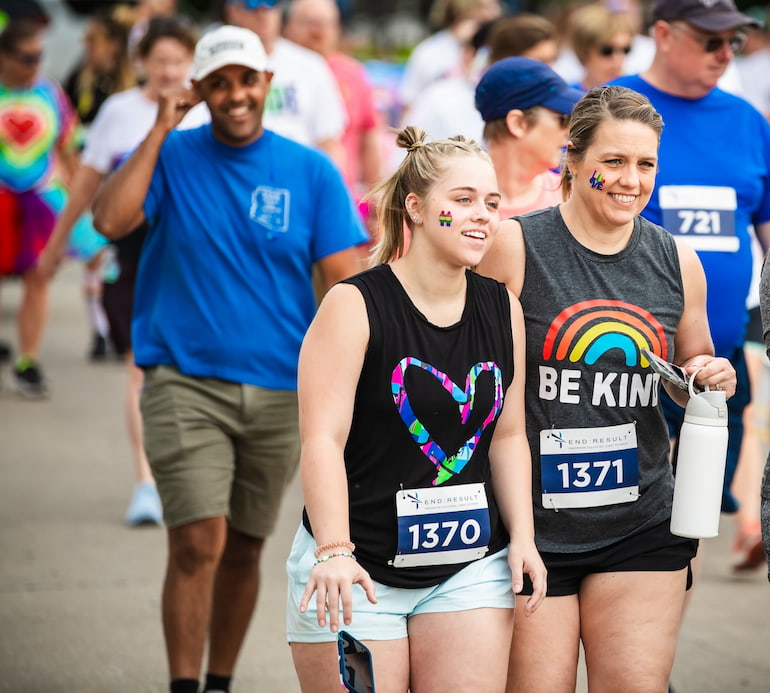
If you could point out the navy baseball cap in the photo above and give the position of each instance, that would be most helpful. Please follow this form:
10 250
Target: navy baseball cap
254 4
709 15
522 83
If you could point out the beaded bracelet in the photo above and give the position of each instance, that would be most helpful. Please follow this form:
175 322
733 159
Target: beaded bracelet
349 545
334 554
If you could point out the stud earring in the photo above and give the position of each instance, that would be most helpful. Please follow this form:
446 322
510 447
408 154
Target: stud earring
417 220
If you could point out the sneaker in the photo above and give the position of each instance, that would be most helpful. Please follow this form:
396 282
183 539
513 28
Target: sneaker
755 558
98 348
145 508
748 553
28 379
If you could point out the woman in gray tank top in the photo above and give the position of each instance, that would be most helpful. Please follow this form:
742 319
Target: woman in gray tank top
764 305
598 284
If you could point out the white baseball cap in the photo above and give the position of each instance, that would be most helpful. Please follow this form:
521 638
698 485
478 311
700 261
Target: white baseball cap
228 45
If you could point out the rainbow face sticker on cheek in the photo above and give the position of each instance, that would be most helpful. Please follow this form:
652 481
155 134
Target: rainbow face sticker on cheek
445 218
597 181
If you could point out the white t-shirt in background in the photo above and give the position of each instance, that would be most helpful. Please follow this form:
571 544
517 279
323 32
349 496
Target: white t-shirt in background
304 103
122 123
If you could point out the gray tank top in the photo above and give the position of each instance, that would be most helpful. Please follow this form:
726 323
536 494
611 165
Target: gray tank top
764 306
599 441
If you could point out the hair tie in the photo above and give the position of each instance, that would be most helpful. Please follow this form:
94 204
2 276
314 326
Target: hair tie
415 145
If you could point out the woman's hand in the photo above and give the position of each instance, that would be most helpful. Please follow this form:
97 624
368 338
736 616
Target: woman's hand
715 372
332 580
49 260
523 557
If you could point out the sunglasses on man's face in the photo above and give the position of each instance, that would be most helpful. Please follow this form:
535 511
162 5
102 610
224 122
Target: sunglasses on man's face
607 51
28 59
562 118
712 44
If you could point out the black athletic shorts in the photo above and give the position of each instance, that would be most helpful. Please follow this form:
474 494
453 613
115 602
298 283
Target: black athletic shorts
653 549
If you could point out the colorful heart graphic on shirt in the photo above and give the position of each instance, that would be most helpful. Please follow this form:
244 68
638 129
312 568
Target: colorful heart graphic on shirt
447 466
21 126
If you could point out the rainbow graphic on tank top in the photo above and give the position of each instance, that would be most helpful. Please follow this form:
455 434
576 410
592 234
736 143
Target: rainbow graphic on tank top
585 331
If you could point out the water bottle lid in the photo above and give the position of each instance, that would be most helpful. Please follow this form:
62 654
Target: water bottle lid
708 408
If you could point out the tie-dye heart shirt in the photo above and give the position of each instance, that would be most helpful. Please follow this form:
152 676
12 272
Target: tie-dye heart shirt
35 123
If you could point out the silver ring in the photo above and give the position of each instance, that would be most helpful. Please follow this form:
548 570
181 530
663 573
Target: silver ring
718 387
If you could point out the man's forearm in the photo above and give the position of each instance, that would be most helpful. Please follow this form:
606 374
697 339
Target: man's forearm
118 205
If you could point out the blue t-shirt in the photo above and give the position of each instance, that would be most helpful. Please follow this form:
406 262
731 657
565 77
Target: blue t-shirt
713 183
224 285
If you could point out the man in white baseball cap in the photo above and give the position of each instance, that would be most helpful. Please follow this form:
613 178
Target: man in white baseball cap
236 55
305 104
224 295
228 45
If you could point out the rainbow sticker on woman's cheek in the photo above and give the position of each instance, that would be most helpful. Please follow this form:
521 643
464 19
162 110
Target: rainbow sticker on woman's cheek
597 180
445 218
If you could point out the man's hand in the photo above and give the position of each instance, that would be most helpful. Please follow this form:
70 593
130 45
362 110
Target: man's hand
173 106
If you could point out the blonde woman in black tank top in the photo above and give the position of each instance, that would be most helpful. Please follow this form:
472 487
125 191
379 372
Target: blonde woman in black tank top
418 527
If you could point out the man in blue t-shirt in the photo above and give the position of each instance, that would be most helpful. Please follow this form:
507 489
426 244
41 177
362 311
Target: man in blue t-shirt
713 182
238 217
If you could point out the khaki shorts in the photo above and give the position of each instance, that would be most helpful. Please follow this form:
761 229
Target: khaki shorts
219 448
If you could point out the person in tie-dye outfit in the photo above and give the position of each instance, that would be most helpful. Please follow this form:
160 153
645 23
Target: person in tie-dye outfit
37 140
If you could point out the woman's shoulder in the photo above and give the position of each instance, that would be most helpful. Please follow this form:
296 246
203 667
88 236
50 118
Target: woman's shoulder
484 281
487 288
539 216
654 231
369 275
374 282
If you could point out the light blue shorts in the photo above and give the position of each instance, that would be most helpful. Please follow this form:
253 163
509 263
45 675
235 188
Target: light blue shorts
485 583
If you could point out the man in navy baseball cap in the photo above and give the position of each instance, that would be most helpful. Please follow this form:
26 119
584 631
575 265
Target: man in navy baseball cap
526 109
708 15
522 83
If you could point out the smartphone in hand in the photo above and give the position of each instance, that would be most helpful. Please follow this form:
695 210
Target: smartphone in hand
671 372
356 670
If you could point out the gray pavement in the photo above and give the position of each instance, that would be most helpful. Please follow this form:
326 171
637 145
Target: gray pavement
79 591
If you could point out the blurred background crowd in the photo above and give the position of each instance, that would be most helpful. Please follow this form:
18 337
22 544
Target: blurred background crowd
398 49
383 34
404 46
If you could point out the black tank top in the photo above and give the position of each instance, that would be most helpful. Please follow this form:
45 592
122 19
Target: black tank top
413 378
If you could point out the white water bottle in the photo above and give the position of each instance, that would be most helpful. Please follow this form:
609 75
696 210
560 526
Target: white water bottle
700 465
